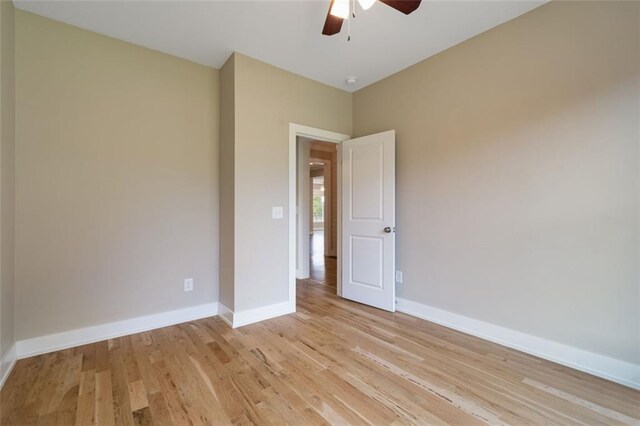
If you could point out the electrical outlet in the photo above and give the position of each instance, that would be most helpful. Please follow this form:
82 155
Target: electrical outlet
188 284
277 212
399 277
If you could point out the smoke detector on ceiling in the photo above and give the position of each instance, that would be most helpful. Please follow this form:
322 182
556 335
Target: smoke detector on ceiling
351 80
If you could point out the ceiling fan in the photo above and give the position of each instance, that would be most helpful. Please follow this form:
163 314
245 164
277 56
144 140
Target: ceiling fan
339 11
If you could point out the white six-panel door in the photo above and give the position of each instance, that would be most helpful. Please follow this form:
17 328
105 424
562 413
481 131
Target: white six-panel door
368 220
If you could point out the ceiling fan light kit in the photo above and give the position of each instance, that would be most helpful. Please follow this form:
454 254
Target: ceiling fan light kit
340 9
366 4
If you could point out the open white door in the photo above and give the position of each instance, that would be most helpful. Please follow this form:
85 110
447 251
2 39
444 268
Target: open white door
368 220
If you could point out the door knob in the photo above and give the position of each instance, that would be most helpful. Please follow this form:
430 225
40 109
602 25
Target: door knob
387 230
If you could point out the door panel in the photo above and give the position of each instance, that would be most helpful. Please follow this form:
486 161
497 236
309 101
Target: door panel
368 195
367 255
367 175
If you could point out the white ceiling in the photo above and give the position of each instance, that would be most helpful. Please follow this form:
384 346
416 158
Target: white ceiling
287 34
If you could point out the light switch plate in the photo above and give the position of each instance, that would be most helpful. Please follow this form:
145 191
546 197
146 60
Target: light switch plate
277 212
399 277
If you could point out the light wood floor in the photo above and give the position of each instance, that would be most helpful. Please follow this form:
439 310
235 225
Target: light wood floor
322 269
333 361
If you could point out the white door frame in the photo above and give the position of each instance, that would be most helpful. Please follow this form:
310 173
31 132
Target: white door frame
296 130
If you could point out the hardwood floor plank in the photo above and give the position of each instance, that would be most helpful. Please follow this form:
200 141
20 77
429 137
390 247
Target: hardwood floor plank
612 414
86 398
159 410
142 417
104 399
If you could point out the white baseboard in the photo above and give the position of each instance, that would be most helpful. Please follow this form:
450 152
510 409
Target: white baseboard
6 365
618 371
69 339
97 333
226 314
251 316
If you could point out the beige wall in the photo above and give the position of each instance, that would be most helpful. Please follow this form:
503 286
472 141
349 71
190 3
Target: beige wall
116 179
517 174
227 179
267 99
7 179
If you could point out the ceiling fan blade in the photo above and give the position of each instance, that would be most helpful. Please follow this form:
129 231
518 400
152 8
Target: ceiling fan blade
404 6
333 24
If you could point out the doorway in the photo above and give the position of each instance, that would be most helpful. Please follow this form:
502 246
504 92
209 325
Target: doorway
317 266
365 216
323 164
307 244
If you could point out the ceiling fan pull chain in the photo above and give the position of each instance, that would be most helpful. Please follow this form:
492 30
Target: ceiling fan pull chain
353 15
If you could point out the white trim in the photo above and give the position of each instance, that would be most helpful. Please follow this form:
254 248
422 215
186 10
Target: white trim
97 333
339 223
6 365
251 316
262 313
296 130
226 314
303 208
616 370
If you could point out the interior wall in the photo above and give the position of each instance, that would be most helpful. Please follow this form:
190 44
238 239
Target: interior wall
267 100
227 183
517 175
7 182
116 179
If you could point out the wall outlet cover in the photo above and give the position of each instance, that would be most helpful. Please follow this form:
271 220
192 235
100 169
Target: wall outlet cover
188 284
277 212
